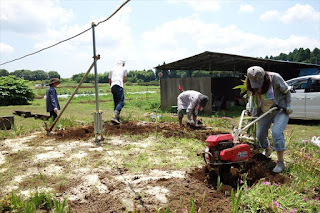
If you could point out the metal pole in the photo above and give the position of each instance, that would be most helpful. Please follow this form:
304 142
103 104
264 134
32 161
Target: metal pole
97 115
95 68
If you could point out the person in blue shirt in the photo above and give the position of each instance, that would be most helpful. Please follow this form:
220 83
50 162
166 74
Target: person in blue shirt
52 102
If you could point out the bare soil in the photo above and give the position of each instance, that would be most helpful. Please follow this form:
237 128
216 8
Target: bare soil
134 128
116 190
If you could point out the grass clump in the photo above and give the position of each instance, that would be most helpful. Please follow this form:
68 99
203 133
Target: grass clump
38 201
272 197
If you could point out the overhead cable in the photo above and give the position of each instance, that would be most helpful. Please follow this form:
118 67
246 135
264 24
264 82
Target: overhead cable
67 38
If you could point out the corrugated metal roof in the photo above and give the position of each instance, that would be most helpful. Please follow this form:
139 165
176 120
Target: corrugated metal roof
212 61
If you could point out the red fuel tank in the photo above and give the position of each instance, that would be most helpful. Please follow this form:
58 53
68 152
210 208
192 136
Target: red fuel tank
214 140
237 153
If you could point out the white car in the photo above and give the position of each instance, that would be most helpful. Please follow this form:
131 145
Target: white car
305 97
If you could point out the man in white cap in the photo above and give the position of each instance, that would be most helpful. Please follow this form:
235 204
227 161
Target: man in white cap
117 77
192 101
266 90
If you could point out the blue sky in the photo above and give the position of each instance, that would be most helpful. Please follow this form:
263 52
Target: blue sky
147 33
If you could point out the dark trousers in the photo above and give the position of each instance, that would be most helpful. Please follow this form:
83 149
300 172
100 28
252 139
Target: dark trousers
118 97
53 115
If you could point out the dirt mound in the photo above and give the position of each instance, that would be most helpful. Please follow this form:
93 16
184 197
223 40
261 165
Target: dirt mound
257 168
78 133
135 128
205 198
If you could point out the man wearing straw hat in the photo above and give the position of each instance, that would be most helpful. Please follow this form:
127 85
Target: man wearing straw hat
52 99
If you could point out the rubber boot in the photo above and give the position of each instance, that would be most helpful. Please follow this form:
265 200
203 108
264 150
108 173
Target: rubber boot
279 167
116 117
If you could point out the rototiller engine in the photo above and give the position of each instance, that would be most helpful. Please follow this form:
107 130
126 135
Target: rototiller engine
221 150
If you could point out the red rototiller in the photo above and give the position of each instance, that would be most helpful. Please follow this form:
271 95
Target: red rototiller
225 150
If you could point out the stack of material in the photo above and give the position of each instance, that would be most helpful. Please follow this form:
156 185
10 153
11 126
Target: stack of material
27 114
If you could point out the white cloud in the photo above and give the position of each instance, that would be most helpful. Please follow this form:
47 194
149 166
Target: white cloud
270 15
200 5
301 13
32 16
246 8
176 39
5 48
297 13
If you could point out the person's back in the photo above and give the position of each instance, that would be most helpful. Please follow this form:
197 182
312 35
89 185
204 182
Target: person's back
190 100
187 98
117 74
117 77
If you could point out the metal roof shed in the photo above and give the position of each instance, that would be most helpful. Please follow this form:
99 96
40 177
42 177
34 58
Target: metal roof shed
212 61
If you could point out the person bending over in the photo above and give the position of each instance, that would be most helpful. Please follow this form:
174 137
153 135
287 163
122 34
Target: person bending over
192 101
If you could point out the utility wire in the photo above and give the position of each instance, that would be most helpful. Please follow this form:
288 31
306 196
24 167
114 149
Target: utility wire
67 38
46 47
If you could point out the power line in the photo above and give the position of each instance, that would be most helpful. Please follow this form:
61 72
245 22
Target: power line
67 38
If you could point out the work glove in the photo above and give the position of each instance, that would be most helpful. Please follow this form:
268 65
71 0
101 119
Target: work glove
247 113
288 111
55 110
192 123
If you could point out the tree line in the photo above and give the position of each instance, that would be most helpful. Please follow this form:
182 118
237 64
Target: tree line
299 55
31 75
140 76
133 76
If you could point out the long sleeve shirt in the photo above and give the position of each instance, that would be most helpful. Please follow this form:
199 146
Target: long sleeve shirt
52 99
189 100
281 95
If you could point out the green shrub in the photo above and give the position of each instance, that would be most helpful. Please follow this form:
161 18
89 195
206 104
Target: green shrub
14 91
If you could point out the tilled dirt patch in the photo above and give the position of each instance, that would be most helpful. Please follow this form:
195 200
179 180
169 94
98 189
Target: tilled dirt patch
69 160
136 128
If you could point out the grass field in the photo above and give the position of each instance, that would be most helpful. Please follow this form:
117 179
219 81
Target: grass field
300 194
81 108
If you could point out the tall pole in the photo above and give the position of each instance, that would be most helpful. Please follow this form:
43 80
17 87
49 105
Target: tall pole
97 115
95 67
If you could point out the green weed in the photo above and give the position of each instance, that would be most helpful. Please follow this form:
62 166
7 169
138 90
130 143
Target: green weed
219 183
235 199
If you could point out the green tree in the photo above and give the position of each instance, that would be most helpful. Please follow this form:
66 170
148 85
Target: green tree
300 55
53 74
103 77
315 56
14 91
25 74
4 72
39 75
77 78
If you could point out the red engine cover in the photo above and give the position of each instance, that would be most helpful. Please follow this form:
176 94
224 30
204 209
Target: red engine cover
214 140
237 153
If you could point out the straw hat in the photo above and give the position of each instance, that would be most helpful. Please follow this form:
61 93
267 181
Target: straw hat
54 80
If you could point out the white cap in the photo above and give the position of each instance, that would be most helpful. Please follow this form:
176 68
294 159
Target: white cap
256 76
121 62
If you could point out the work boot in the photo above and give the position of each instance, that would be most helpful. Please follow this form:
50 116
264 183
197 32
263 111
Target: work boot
279 167
267 152
116 117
